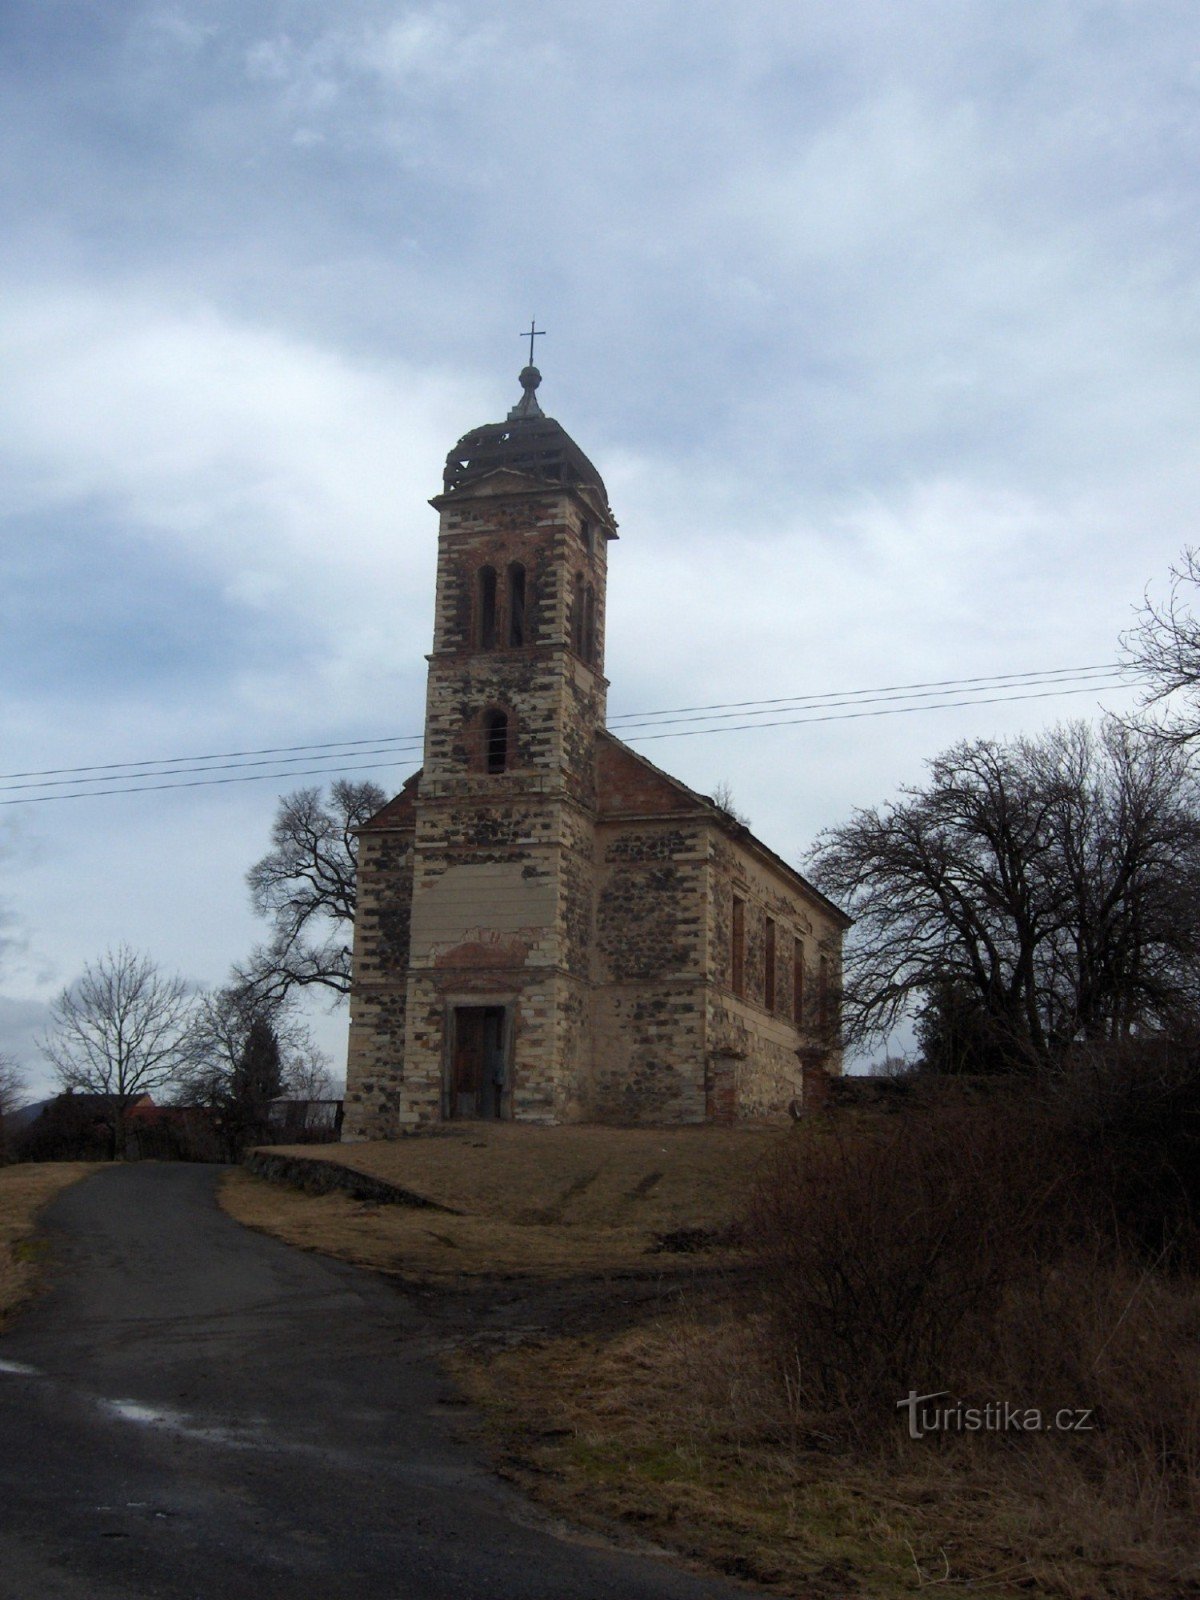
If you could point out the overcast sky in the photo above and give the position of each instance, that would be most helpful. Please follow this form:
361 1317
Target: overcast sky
879 320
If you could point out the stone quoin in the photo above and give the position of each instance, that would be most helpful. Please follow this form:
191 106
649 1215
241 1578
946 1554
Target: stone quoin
550 928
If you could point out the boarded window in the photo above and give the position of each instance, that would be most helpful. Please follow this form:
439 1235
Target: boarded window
495 741
487 608
516 604
769 965
798 982
737 951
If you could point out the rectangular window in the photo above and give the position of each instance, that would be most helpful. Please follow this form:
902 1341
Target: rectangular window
738 947
769 965
824 1015
798 982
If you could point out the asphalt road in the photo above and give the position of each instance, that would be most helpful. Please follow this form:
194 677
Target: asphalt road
194 1410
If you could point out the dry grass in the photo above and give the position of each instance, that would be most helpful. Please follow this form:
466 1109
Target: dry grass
685 1428
666 1427
540 1202
24 1190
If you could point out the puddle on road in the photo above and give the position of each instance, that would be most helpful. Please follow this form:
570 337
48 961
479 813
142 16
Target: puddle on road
183 1426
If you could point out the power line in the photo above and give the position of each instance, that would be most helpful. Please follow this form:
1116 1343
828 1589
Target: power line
636 738
200 783
219 755
628 718
385 747
1095 679
850 716
992 679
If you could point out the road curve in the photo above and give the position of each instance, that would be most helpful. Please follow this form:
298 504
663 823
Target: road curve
194 1410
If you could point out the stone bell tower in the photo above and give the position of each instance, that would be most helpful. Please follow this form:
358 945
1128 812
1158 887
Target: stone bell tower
497 1005
550 928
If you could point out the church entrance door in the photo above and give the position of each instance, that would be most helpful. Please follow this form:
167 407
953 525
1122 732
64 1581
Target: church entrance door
478 1076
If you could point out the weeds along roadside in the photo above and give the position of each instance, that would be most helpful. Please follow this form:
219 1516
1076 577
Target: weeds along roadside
1033 1249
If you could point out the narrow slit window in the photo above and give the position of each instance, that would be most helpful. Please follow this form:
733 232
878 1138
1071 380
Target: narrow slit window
798 982
495 741
577 615
769 965
516 605
487 608
737 951
589 625
824 1011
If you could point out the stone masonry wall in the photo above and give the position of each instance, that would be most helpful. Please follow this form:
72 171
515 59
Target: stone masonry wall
754 1070
649 1011
501 901
375 1060
572 882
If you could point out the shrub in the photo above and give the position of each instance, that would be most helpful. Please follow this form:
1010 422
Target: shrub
885 1248
987 1247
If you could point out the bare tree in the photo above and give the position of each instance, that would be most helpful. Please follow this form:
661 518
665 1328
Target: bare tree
120 1031
305 886
12 1084
235 1070
310 1074
12 1091
1052 884
224 1021
1164 649
722 797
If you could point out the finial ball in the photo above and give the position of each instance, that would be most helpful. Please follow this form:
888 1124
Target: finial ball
530 378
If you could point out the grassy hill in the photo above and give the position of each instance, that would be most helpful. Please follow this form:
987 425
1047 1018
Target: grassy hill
521 1200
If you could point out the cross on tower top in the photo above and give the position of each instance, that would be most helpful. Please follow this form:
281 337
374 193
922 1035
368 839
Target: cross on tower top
534 333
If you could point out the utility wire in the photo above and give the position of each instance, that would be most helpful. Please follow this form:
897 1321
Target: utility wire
993 679
386 748
713 714
201 783
850 716
636 738
383 744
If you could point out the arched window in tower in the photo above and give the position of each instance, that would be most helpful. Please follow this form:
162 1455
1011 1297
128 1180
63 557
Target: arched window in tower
577 615
589 625
516 604
495 741
487 608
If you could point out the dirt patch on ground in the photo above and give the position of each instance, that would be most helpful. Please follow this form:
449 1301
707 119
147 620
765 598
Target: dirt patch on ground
24 1190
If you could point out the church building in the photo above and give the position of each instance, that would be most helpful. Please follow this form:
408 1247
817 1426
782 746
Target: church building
550 928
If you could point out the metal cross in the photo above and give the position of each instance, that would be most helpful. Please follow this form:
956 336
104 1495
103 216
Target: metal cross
534 333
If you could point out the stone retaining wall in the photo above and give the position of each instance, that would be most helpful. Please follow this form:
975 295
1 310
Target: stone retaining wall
328 1177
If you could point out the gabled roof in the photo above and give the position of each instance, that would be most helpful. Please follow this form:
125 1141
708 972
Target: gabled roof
629 785
399 811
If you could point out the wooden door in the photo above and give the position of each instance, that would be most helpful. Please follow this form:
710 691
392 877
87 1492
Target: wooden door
478 1065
